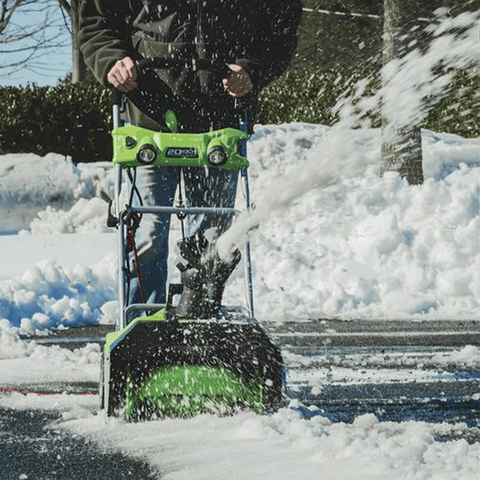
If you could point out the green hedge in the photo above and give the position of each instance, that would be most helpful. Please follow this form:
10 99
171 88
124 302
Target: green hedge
306 95
459 109
310 95
69 119
75 119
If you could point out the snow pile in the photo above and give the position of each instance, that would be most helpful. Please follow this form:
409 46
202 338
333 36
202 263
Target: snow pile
330 242
364 246
468 356
52 182
54 365
48 296
86 215
30 362
10 346
27 362
30 184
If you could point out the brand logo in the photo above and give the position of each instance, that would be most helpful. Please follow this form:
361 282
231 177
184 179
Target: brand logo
181 152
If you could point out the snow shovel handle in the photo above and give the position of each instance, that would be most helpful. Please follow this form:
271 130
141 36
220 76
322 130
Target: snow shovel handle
186 63
166 63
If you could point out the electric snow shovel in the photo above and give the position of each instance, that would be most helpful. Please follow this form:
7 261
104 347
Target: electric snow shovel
197 356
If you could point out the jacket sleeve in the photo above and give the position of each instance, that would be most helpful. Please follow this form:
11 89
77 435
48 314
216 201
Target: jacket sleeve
103 35
273 50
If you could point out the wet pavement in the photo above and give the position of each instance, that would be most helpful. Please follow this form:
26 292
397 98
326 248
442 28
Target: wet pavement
32 448
397 370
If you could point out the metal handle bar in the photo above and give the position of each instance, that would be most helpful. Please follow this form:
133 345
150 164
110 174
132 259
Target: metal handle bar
187 63
194 64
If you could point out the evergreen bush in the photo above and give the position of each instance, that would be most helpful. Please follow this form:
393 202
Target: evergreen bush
69 119
75 120
310 95
458 111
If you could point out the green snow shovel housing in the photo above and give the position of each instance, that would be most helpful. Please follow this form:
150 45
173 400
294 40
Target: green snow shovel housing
156 367
167 360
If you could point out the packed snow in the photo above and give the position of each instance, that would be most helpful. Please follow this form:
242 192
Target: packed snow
278 447
334 240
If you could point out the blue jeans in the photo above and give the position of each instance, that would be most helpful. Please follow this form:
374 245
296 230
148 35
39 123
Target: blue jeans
157 186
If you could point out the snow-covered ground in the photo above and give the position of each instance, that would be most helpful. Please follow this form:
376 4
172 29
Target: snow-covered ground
334 241
280 447
359 247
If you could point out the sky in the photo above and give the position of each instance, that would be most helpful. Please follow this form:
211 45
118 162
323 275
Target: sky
52 63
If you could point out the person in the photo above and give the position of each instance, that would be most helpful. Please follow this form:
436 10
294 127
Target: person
256 38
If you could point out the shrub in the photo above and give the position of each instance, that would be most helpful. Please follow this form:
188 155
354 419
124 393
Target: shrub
310 95
68 119
306 95
75 120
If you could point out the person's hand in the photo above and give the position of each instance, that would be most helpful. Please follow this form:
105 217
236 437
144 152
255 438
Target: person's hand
123 75
238 84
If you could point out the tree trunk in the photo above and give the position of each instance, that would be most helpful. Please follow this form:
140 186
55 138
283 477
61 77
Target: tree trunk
79 69
401 144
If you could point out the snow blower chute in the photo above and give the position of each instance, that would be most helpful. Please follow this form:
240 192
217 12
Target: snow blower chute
184 359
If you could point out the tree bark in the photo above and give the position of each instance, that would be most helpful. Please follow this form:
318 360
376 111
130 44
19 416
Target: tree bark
401 144
79 69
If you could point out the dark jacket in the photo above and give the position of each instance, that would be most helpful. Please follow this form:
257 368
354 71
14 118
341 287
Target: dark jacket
259 35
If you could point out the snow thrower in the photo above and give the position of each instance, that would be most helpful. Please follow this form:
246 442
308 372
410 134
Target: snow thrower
186 358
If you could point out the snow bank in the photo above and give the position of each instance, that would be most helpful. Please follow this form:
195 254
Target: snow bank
331 242
30 184
371 247
49 296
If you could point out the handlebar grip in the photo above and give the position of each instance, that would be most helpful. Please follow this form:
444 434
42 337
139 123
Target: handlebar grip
116 96
186 63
